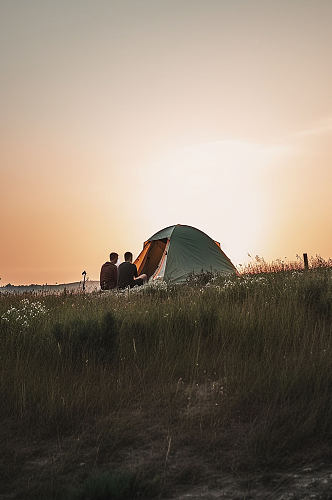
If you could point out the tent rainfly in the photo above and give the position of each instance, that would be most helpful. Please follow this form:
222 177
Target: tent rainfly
177 251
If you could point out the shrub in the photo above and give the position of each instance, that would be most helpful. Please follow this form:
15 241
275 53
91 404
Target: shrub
82 336
317 296
114 486
200 279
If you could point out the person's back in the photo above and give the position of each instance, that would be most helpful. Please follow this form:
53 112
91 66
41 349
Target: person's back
109 273
127 273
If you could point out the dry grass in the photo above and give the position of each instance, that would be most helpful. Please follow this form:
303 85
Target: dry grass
167 384
259 265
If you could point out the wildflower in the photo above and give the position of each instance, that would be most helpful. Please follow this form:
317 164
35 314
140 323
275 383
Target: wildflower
25 313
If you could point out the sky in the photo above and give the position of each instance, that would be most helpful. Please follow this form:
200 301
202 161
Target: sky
119 118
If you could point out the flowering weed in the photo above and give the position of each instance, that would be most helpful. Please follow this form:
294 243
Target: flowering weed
25 313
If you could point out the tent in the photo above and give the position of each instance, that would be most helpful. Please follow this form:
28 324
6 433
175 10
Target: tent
177 251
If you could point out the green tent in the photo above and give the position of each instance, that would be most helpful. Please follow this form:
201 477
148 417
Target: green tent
177 251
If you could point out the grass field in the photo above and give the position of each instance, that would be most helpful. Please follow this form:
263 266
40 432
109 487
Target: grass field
125 395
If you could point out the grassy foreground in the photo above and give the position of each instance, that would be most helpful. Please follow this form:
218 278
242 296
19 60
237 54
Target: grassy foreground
126 395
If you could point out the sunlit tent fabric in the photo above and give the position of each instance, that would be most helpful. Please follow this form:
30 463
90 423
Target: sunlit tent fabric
175 252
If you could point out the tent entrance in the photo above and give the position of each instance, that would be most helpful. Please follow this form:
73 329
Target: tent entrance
150 258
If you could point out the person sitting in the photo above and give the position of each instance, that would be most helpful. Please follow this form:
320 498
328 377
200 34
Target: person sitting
127 273
109 273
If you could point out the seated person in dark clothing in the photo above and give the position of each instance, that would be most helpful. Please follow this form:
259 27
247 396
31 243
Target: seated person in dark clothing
127 273
109 273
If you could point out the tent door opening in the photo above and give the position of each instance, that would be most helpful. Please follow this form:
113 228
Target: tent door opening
153 257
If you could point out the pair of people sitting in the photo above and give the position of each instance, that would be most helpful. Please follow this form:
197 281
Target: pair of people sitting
123 276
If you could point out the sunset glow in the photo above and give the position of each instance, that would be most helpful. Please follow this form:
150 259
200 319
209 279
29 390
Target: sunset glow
119 118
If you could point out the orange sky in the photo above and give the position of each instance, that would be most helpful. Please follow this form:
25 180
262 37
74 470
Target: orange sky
119 118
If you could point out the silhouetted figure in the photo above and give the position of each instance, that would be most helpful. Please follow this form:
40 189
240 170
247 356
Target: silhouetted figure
127 273
109 273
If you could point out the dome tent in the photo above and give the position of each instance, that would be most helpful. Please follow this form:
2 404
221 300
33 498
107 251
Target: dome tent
177 251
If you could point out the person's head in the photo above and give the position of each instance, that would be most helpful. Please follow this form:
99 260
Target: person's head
113 257
128 257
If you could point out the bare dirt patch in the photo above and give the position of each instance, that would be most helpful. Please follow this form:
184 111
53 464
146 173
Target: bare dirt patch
31 466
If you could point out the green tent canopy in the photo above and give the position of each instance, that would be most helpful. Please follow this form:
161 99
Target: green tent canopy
177 251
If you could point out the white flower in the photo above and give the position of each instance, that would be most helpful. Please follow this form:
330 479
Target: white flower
25 313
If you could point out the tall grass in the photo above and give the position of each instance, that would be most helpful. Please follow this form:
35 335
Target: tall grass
237 368
259 265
